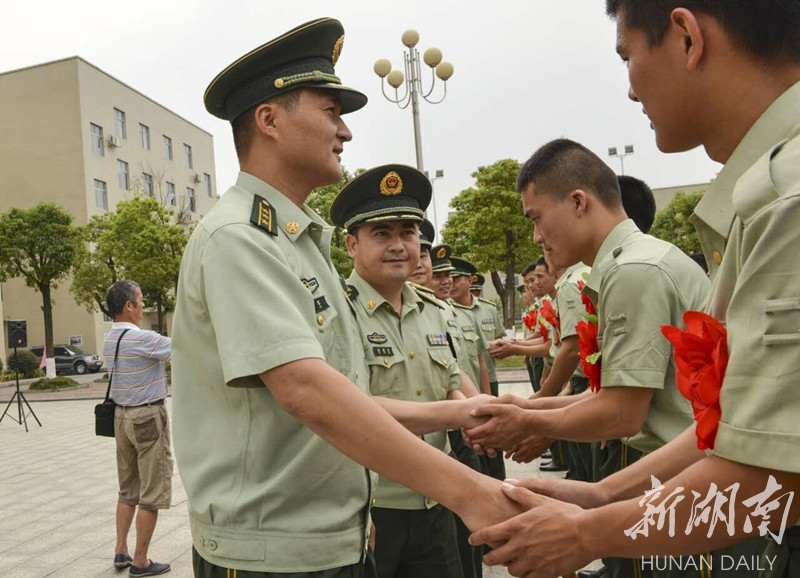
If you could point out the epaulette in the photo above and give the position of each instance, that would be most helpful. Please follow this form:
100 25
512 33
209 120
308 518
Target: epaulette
263 215
459 305
492 303
427 295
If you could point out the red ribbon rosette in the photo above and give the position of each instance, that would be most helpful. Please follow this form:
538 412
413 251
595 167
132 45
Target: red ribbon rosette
530 319
589 353
701 356
549 313
543 331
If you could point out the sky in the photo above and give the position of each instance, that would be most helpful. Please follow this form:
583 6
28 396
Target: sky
526 72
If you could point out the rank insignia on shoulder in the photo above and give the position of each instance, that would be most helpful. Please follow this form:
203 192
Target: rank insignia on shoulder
437 339
377 338
311 284
320 304
352 292
383 351
263 215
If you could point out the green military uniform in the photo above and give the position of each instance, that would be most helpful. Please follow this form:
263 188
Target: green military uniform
410 359
492 328
257 290
748 226
634 352
570 309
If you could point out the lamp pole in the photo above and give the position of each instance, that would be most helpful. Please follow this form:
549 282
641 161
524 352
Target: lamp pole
439 174
627 151
412 79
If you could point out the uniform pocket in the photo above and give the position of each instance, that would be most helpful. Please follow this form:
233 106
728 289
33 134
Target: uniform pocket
782 323
146 431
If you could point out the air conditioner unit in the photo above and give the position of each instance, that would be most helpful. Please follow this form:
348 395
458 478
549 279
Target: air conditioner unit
197 178
112 141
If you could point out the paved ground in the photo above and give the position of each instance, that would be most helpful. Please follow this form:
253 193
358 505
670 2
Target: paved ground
58 491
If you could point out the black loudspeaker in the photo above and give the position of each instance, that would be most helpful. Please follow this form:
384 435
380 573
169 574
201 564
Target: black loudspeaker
17 333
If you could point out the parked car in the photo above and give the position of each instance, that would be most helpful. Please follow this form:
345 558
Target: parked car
72 359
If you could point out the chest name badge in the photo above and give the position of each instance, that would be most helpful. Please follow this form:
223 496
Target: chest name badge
437 338
468 328
383 351
377 338
452 323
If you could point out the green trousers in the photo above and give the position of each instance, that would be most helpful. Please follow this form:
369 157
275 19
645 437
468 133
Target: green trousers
579 454
785 556
471 556
205 569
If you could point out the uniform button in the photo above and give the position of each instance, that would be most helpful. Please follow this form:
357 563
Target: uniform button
716 256
412 355
212 545
356 375
446 363
320 319
386 361
419 391
373 502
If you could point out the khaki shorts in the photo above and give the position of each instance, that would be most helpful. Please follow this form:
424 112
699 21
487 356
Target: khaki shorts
144 457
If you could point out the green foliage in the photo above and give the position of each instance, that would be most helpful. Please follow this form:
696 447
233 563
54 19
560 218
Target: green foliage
489 228
672 223
45 384
138 242
25 362
320 200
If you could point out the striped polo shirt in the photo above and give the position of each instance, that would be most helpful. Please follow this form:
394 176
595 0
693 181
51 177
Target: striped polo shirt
140 371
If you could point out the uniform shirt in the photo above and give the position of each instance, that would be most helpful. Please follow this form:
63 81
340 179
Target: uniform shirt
140 370
409 359
265 493
473 343
750 214
569 307
491 326
639 283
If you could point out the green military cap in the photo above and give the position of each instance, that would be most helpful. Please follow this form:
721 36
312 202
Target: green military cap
440 259
385 193
426 233
477 282
462 267
304 57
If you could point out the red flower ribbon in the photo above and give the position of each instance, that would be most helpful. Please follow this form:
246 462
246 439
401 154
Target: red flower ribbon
530 319
701 356
543 331
588 349
550 315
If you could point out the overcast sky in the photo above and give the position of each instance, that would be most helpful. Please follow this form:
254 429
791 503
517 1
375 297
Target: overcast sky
526 72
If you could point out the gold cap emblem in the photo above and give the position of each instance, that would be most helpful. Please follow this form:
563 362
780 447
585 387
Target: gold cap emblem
440 254
292 227
337 49
391 184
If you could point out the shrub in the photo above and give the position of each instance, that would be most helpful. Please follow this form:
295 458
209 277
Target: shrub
51 384
25 362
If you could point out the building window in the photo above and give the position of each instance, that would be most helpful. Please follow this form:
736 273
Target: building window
98 146
171 194
100 195
123 176
167 147
147 184
144 133
207 182
190 197
120 128
187 156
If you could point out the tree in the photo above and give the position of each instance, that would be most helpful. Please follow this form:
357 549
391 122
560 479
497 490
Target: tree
320 200
136 242
39 244
489 228
672 223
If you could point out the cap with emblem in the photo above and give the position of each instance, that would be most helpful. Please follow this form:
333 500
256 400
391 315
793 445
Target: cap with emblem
426 233
304 57
385 193
440 259
462 267
477 282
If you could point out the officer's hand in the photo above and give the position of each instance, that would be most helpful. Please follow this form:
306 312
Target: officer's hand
468 405
505 429
523 402
500 348
584 494
530 449
545 541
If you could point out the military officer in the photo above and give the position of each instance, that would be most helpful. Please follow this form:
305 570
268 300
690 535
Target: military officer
273 426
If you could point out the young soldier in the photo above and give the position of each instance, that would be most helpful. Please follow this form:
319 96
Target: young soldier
407 350
724 75
269 378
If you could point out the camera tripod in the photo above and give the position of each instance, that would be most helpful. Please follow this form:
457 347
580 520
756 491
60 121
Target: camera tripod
22 414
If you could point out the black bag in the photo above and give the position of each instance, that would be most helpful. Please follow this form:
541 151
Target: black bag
104 412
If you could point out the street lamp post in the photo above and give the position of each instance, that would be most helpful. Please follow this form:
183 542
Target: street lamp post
628 150
413 81
439 174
